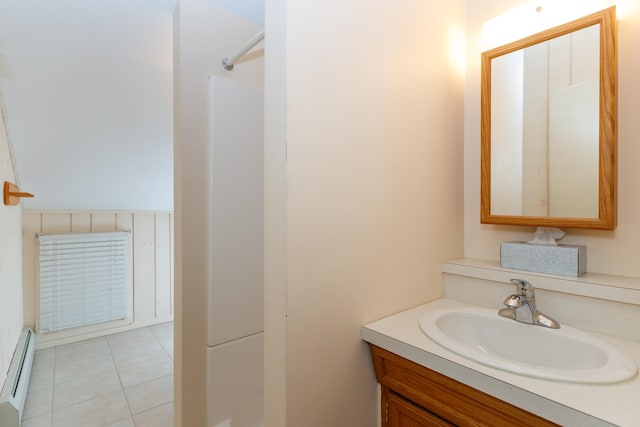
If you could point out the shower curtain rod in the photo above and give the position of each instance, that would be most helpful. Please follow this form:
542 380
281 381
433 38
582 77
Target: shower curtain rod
227 63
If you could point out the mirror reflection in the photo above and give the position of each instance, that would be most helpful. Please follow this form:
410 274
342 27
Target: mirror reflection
544 128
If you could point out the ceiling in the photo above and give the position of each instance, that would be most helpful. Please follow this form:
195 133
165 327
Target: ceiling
252 10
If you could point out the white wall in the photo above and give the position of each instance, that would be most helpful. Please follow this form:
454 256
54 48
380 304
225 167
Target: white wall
609 252
373 181
204 34
10 259
89 101
275 215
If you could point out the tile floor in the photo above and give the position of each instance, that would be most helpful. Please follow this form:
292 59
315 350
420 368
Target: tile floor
120 380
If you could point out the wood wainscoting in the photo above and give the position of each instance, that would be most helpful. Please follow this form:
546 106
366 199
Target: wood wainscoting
151 266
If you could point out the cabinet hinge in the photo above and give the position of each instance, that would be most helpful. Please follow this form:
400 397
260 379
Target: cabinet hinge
386 413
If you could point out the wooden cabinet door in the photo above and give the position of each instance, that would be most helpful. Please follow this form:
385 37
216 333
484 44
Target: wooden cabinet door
442 397
400 412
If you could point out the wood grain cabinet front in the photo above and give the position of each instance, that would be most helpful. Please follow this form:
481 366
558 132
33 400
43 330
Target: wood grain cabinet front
415 396
402 412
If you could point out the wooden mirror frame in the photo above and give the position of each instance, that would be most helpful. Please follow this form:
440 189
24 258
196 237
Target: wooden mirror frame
608 126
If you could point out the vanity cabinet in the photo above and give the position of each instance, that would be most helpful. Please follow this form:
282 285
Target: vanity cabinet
398 411
414 396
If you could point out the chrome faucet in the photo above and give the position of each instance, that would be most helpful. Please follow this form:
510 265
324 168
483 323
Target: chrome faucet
522 306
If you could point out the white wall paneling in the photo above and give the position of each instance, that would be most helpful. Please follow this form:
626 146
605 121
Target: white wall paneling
163 240
10 253
151 266
144 267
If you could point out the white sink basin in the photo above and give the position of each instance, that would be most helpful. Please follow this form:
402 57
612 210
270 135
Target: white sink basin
564 354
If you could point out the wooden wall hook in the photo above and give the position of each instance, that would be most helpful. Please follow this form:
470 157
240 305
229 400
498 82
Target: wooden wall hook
12 194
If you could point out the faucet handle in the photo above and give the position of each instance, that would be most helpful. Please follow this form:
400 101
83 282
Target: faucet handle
524 288
513 301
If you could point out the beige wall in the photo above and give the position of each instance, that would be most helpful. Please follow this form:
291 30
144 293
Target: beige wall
203 34
151 264
608 252
10 260
373 191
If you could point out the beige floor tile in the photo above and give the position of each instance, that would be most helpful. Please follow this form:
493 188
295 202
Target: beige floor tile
87 388
149 395
43 359
127 422
41 378
96 412
38 402
138 353
169 350
82 350
43 420
83 382
162 416
163 331
128 339
68 370
151 369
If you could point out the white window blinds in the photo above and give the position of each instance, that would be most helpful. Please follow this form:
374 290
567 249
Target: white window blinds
83 279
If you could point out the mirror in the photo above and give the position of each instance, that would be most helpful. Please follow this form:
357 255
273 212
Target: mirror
548 128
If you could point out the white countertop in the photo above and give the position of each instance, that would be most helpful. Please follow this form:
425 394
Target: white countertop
564 403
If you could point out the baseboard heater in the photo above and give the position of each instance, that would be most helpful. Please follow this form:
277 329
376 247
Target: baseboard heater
14 391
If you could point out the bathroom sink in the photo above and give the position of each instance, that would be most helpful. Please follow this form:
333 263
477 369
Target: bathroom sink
565 354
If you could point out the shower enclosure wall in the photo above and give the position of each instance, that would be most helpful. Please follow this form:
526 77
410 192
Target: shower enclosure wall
235 300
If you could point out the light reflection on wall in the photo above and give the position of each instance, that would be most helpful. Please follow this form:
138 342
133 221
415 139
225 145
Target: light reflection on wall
457 50
535 16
